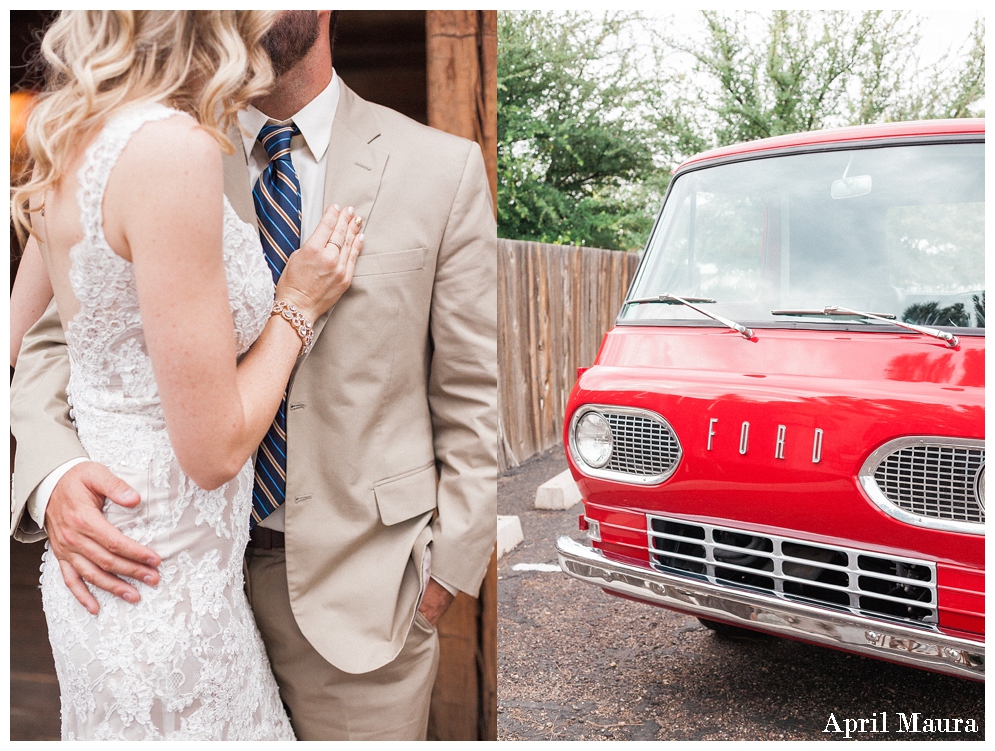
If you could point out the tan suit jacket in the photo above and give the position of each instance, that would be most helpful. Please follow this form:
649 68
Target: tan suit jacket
391 417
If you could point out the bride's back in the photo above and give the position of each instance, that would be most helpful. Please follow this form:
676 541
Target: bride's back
56 225
104 185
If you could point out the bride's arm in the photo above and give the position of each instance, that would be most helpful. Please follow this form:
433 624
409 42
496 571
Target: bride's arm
169 211
30 296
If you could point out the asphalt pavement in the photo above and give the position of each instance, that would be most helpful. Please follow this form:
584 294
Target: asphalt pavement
575 663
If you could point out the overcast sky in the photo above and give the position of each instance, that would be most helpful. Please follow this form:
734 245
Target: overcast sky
942 27
946 28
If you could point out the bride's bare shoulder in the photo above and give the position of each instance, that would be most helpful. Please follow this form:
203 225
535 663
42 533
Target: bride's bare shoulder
168 161
170 146
168 175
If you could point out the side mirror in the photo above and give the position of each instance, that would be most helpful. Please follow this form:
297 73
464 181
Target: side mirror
851 187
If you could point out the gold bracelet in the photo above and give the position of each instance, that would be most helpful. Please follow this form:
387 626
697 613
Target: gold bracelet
296 319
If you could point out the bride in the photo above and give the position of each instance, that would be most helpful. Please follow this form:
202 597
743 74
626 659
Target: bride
161 291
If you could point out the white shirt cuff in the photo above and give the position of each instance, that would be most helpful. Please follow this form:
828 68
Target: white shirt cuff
38 501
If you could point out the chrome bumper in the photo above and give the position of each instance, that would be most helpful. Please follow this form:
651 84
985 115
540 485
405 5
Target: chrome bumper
867 636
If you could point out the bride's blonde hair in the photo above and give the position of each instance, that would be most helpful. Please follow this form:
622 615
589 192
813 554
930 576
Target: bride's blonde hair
208 63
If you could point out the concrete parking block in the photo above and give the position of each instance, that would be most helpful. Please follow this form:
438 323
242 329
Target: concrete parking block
558 493
509 534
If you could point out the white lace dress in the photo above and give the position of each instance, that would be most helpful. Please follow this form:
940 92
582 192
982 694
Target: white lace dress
186 662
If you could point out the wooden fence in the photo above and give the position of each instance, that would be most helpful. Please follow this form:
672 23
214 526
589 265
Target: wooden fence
555 304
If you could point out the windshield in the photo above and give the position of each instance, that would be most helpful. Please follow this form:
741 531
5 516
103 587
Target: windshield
895 231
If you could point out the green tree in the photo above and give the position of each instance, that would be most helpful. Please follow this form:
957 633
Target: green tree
573 142
756 76
594 111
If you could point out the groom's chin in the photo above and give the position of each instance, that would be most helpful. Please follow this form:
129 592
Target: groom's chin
291 38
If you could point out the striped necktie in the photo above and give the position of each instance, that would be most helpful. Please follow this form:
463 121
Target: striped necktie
277 197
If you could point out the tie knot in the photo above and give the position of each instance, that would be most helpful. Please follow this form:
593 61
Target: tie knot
275 138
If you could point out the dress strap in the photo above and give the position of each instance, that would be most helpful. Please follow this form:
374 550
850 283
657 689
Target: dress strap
102 155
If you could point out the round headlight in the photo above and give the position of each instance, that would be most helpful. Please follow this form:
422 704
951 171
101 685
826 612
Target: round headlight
979 487
593 438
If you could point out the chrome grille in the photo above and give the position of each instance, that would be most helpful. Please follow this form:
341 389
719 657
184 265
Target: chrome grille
856 581
928 481
641 445
935 481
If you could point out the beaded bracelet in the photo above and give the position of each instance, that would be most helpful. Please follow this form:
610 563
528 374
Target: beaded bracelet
296 319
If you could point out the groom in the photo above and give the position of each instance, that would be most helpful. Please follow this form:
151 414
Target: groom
388 507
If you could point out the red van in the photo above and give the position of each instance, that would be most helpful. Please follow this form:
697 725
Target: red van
784 431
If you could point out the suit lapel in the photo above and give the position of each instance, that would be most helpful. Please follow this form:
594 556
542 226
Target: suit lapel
354 169
236 174
355 164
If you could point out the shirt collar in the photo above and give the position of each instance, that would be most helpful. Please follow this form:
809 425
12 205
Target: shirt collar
314 120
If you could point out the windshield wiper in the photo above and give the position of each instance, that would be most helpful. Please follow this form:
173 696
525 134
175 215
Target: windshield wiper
670 300
823 312
747 333
834 310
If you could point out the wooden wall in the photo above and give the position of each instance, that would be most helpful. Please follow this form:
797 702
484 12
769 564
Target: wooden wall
555 304
461 66
380 54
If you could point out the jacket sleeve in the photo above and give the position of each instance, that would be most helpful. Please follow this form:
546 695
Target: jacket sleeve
462 388
39 418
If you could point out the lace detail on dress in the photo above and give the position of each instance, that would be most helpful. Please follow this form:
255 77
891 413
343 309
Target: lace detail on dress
186 662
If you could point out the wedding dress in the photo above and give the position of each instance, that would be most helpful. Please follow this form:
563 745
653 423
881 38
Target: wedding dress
186 662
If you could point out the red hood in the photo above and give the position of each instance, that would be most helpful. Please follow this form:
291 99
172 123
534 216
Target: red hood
860 389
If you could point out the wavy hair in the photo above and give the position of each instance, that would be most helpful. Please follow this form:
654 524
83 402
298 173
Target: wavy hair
208 63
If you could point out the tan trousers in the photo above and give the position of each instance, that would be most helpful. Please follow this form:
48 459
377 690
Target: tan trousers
390 703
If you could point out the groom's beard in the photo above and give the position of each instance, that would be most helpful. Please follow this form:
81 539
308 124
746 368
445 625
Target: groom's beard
291 37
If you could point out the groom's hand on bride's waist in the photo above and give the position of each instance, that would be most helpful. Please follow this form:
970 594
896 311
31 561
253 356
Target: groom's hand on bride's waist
88 547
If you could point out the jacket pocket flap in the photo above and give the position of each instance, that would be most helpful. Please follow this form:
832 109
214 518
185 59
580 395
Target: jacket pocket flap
407 496
390 263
